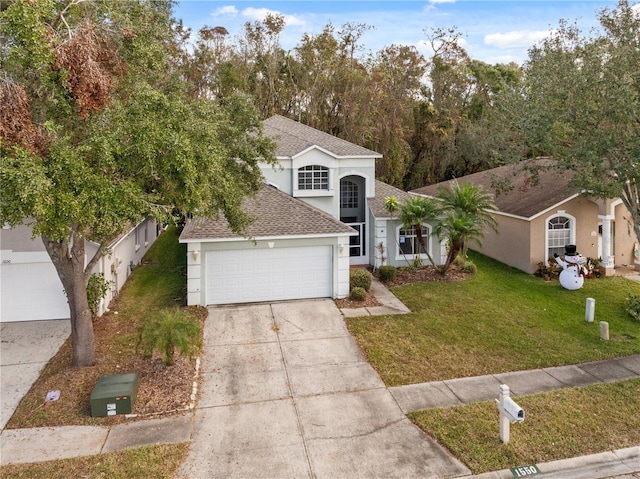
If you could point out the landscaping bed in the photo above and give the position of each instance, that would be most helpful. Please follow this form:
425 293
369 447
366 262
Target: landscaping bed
156 284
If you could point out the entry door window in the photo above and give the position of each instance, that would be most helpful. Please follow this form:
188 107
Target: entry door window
558 235
348 194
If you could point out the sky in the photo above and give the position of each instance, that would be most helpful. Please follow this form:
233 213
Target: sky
493 31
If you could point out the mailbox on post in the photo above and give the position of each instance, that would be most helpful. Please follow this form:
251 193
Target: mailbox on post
510 412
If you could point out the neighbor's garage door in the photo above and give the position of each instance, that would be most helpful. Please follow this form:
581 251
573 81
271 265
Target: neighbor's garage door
245 276
31 291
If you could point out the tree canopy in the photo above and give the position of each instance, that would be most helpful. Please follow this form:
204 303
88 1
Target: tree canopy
579 102
100 128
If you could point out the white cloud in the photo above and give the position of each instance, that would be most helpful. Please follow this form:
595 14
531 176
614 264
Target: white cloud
515 39
226 11
260 14
431 6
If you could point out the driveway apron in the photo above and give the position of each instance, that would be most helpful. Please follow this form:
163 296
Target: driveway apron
287 393
26 348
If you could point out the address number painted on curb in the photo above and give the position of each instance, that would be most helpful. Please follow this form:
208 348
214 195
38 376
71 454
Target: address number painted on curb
524 471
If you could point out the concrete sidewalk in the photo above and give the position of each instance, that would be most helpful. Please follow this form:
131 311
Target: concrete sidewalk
453 392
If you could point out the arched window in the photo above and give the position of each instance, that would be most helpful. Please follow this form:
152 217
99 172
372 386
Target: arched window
559 234
313 177
348 194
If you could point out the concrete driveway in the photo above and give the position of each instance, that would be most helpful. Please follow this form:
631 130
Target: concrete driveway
25 349
286 392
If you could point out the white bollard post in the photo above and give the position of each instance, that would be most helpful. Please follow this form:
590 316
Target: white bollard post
590 310
505 424
604 330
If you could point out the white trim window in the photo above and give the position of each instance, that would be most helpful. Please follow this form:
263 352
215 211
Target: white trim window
408 244
348 194
560 232
313 177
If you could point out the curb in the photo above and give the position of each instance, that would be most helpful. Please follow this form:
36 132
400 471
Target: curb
603 465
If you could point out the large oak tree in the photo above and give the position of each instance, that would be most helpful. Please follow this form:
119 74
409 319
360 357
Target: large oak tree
580 102
98 130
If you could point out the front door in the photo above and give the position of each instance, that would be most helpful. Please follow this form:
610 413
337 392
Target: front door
352 212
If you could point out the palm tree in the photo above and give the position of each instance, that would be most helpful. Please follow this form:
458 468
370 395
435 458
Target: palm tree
416 211
459 227
464 203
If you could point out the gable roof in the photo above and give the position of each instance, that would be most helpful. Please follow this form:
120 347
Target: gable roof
293 138
384 191
276 215
525 196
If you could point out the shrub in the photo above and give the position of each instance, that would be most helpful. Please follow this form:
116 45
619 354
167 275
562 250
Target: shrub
460 260
593 268
172 330
97 288
633 306
360 278
358 294
469 267
387 273
551 271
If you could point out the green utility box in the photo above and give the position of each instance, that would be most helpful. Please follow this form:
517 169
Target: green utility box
114 394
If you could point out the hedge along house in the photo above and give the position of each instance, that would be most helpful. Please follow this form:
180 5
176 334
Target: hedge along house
30 288
539 214
317 214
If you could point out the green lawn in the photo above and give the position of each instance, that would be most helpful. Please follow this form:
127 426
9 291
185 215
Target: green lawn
559 424
158 462
497 321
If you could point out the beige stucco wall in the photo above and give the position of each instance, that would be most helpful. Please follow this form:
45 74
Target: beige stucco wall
584 211
511 245
522 243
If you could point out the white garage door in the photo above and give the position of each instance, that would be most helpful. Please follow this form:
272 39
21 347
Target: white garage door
245 276
31 291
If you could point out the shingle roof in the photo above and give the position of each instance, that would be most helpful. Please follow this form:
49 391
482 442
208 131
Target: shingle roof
383 191
293 137
526 196
276 214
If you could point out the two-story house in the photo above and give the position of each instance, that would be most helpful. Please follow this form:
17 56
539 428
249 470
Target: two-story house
319 212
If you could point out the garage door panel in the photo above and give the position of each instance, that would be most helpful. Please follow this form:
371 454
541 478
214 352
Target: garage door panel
241 276
31 291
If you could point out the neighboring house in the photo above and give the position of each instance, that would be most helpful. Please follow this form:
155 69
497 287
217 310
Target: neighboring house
30 288
320 211
539 215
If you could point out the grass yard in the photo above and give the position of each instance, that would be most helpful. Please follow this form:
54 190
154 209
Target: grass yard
558 425
499 320
159 282
158 462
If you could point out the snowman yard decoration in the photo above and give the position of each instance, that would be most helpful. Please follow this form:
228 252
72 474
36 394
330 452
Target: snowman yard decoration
573 270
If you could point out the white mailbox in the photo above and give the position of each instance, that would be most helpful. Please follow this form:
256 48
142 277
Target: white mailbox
510 412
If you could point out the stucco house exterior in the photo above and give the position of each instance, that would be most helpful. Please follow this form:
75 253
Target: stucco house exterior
319 212
540 214
30 288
